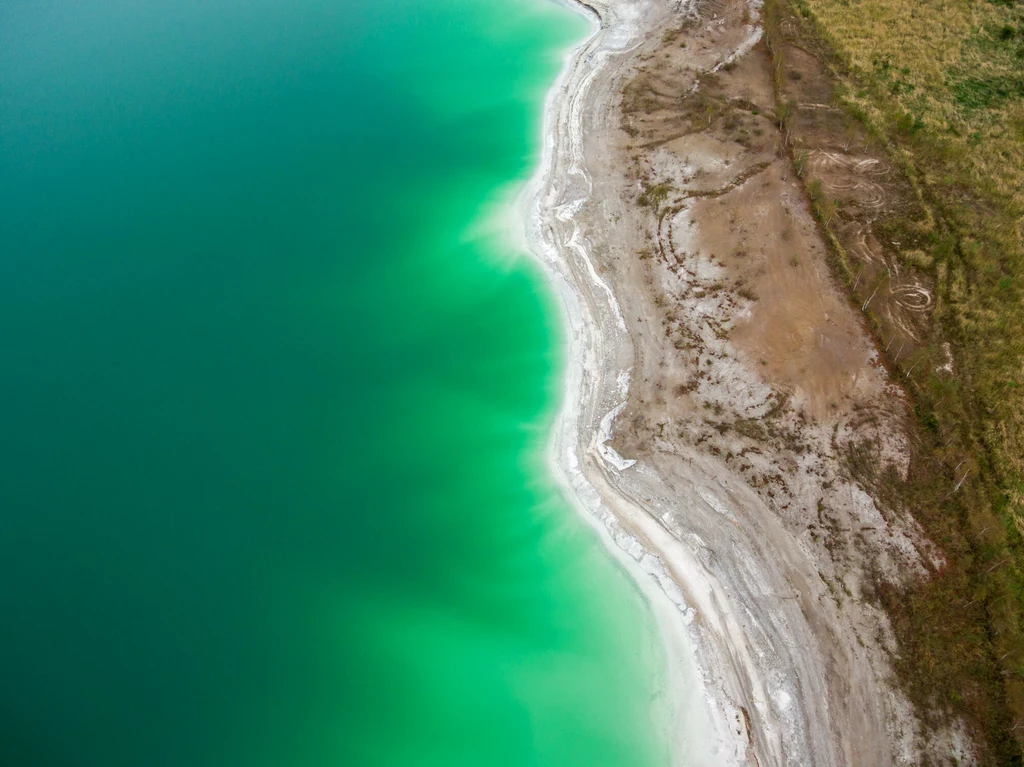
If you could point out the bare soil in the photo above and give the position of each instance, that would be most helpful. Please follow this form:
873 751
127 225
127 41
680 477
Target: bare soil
747 350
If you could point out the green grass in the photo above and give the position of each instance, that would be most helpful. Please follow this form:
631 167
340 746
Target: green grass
992 92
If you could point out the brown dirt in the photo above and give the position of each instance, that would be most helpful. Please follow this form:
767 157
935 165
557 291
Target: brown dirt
748 348
862 193
803 334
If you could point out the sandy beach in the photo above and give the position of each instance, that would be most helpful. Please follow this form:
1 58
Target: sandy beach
716 378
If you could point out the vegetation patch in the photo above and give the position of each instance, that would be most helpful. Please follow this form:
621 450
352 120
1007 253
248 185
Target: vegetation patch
985 92
938 87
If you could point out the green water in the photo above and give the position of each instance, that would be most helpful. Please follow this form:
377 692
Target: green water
273 404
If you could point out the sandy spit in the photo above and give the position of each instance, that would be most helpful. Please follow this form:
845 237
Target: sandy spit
737 600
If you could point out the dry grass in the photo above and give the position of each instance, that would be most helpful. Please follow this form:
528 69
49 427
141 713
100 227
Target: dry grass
955 68
939 86
942 83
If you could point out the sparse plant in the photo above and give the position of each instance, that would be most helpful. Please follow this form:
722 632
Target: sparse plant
654 196
800 162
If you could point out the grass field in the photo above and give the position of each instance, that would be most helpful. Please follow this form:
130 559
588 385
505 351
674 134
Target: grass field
943 82
939 87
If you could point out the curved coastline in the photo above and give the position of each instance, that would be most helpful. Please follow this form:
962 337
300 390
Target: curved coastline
598 365
761 667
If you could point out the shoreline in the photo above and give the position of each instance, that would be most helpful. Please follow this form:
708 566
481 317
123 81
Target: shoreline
763 660
544 205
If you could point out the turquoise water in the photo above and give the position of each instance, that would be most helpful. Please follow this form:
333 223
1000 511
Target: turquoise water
274 403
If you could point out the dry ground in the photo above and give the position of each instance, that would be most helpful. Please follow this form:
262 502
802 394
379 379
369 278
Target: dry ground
783 320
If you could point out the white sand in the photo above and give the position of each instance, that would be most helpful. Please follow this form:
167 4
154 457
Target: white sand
704 727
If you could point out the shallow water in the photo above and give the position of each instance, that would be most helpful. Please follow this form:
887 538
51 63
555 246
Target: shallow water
275 395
